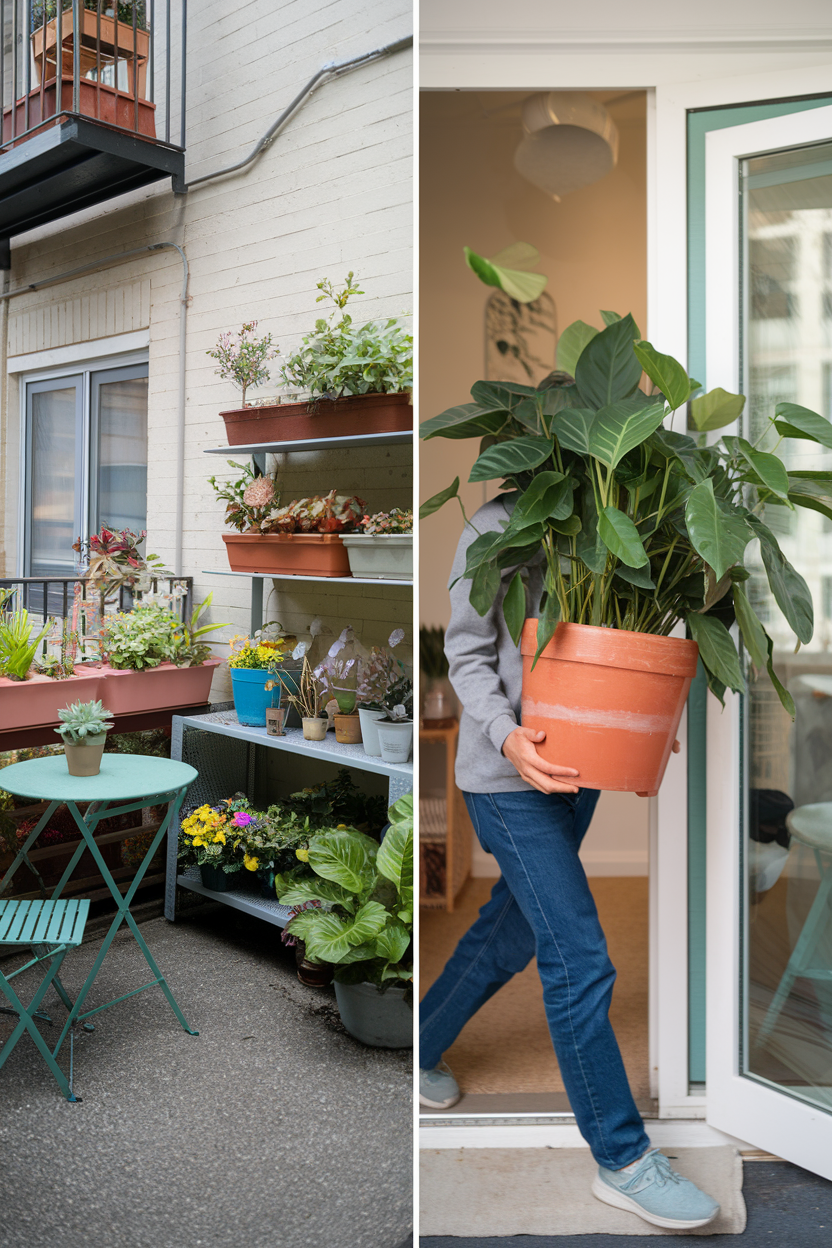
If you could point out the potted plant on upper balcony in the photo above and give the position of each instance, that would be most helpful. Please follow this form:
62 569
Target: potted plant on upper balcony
155 660
358 379
360 921
301 539
29 698
383 548
618 529
104 36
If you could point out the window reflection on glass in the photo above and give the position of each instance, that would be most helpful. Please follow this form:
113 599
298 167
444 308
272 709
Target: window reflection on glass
787 346
53 490
122 454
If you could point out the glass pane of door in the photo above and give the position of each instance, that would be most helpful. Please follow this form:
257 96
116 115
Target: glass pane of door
119 432
786 202
54 433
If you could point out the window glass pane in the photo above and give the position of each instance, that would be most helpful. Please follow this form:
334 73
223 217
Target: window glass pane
53 445
787 347
122 454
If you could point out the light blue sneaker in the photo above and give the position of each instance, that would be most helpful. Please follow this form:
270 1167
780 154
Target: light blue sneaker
437 1088
651 1188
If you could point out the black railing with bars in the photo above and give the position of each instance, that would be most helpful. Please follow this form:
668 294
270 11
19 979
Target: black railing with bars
54 596
107 60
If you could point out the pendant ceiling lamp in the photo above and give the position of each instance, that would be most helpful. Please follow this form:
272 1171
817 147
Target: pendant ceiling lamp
569 141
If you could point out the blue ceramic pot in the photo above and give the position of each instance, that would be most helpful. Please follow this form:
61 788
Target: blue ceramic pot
251 698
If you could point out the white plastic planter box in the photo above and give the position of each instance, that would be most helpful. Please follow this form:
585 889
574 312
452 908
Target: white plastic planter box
385 556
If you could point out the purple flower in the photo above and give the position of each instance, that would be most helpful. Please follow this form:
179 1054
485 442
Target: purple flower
241 820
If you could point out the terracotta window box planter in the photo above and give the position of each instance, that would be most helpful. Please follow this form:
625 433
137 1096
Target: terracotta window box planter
35 703
609 701
381 556
156 688
320 418
287 554
97 101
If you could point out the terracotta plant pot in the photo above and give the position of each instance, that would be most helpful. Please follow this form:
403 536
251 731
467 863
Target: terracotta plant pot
98 101
314 729
156 688
319 418
313 974
35 703
288 554
83 758
348 729
609 701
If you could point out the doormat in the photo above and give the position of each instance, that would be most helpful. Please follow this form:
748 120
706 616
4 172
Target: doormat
546 1191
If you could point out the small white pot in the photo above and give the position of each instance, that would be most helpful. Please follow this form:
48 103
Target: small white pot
395 740
369 731
381 556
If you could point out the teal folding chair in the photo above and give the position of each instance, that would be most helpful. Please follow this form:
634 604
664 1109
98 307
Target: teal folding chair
50 928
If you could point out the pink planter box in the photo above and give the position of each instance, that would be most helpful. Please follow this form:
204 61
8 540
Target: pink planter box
157 688
35 703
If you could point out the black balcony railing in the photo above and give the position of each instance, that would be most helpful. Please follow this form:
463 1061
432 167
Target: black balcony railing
96 75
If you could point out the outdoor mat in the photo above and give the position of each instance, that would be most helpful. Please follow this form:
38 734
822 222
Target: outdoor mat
546 1191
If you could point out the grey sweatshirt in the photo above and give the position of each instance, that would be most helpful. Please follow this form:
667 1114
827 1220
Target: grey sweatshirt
486 668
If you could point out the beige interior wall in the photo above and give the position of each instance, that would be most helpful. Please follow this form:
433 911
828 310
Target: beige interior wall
593 247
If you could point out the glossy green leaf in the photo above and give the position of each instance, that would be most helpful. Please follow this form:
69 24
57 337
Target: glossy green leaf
664 372
640 577
316 889
608 369
679 446
814 494
549 492
770 469
571 345
466 420
791 593
794 421
718 535
347 858
570 527
572 428
393 942
500 396
786 699
485 586
331 939
395 856
716 409
753 633
616 431
439 500
620 536
717 650
524 287
482 550
546 624
514 607
505 458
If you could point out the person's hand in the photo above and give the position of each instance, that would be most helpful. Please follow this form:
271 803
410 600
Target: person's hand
519 749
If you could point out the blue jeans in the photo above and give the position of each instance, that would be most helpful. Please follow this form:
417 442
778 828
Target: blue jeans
542 906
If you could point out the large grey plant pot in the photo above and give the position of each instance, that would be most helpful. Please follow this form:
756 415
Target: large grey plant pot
382 1019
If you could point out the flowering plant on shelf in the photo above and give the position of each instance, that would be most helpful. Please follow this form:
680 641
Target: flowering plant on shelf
340 670
249 499
398 520
330 513
257 652
243 362
209 837
380 672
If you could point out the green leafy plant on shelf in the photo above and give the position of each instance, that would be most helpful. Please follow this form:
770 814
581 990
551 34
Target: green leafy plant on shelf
636 526
151 634
356 911
340 358
338 801
83 720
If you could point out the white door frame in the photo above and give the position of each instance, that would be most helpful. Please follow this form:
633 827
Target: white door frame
768 1117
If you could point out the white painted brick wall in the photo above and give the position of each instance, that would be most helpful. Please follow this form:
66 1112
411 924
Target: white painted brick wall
332 193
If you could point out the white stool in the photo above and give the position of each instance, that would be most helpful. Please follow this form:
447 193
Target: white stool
812 826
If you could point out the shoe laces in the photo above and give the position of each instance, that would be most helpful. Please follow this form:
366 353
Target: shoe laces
653 1169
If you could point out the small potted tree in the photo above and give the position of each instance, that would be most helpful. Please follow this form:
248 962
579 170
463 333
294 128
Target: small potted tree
358 378
83 730
383 547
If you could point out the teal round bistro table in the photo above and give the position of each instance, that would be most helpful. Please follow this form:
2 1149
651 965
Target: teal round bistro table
126 782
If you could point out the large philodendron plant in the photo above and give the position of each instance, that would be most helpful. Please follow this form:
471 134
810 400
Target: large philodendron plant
640 527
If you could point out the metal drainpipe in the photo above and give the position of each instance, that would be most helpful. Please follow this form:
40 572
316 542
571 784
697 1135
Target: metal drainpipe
333 69
120 258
